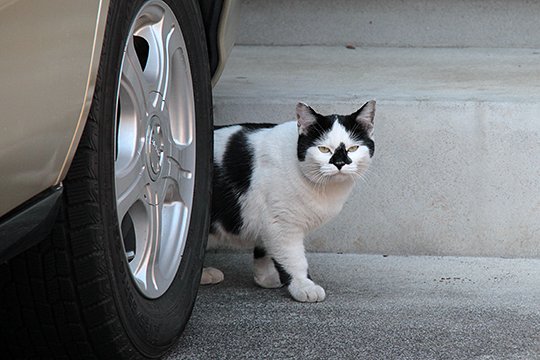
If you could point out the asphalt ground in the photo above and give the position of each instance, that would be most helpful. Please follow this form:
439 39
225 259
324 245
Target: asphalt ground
377 307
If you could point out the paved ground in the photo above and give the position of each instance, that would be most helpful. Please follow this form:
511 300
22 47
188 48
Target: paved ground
376 308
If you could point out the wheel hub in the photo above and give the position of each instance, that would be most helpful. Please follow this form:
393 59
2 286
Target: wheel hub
154 148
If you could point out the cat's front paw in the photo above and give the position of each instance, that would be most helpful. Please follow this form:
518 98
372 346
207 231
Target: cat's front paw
306 291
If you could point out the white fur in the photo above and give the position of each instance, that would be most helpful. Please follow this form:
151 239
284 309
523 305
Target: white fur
281 192
288 198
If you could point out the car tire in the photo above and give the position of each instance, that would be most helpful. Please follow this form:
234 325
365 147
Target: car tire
79 294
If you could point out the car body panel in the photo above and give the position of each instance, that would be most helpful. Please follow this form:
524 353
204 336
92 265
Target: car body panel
48 67
49 57
228 23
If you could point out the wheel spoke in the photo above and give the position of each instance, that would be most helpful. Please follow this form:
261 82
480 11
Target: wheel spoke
145 267
175 226
175 83
159 32
181 102
164 33
133 82
131 186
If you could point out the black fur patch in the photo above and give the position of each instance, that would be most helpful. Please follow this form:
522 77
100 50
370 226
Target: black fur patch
284 276
237 162
357 131
231 180
259 252
257 126
248 126
316 131
225 204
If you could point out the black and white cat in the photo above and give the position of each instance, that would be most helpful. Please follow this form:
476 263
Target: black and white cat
273 184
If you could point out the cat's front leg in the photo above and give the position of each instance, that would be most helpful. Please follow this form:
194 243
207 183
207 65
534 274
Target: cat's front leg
290 261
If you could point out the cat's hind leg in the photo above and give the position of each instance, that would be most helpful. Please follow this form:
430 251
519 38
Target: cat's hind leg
211 276
264 270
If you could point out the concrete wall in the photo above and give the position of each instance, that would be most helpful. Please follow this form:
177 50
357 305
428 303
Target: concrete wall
456 168
462 181
415 23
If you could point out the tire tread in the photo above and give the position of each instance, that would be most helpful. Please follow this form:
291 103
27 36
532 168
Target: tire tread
56 299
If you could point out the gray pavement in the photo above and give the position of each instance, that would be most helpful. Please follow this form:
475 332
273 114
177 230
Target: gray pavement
376 308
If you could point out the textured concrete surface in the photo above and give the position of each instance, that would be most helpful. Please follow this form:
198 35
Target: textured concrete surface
455 171
407 23
281 74
377 308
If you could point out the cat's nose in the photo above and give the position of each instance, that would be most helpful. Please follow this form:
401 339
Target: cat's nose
340 161
340 157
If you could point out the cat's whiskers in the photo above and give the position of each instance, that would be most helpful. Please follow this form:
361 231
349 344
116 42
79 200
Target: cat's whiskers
319 186
365 171
319 178
360 177
370 171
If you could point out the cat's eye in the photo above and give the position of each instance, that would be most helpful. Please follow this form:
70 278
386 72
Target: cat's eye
324 149
352 148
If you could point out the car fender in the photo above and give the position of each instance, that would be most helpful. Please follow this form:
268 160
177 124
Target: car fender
48 71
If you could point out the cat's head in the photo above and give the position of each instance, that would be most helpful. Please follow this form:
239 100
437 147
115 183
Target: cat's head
335 147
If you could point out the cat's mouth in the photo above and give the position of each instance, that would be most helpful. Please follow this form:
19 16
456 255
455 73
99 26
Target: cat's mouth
340 175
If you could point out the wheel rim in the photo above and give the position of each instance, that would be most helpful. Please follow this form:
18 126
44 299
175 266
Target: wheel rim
155 148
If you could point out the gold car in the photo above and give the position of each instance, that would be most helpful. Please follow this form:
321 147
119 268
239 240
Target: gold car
106 158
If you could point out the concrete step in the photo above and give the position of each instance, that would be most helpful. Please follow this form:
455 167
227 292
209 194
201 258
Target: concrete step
407 23
456 168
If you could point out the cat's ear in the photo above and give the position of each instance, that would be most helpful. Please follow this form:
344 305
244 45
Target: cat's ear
365 116
305 116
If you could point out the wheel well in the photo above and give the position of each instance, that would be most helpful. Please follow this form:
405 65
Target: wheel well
211 13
